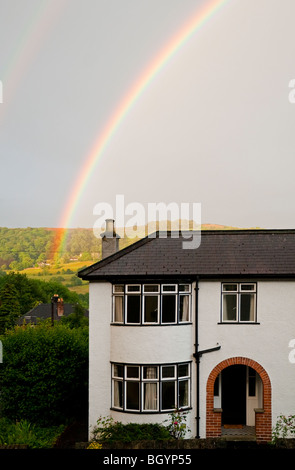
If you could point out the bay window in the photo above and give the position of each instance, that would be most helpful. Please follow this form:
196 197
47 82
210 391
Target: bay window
150 388
151 304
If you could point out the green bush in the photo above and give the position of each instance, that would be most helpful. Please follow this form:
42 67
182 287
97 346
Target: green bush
109 430
44 374
284 428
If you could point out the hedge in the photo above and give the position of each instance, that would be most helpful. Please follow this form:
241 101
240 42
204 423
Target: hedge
44 374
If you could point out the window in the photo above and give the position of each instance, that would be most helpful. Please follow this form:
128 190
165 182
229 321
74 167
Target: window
132 388
133 304
151 300
251 382
151 304
118 375
169 303
239 302
150 388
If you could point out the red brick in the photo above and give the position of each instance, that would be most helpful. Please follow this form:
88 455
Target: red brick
262 420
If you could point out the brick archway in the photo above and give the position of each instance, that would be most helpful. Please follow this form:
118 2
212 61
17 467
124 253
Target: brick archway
263 423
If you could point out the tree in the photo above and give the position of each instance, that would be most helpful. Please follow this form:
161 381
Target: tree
28 291
9 307
76 319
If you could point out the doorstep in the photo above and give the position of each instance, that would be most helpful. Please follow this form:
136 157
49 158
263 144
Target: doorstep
238 433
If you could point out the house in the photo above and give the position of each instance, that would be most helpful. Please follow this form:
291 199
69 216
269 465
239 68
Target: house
45 311
205 330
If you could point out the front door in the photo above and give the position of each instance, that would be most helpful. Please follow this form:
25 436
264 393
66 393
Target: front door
233 395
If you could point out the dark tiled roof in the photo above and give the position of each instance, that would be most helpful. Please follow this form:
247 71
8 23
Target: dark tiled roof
43 311
221 253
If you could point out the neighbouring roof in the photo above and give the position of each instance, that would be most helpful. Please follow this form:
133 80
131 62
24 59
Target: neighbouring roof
43 311
221 253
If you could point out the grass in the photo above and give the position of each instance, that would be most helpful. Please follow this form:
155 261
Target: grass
56 269
64 272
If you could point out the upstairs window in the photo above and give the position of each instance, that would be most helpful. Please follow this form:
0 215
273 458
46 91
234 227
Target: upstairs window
151 304
238 302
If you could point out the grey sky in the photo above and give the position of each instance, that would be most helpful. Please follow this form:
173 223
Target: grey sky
215 127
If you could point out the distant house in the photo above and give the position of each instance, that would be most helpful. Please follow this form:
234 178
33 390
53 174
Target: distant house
205 330
44 311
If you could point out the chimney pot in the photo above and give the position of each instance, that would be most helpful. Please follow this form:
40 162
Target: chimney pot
110 228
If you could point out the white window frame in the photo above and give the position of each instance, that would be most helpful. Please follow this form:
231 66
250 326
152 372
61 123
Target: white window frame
151 294
129 294
132 380
159 380
116 378
166 293
142 292
239 292
185 294
150 381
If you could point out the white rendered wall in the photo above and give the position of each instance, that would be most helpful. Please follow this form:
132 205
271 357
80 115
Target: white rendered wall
130 344
266 343
100 303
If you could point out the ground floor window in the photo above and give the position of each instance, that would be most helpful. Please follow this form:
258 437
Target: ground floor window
151 388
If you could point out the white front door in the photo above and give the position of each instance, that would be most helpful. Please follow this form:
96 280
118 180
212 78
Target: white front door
253 395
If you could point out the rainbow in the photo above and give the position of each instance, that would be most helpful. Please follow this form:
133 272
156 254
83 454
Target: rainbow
149 74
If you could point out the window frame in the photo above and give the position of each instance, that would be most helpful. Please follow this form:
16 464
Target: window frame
137 293
159 380
179 290
146 294
238 292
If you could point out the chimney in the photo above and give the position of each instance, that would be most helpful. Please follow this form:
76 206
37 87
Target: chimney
60 307
110 240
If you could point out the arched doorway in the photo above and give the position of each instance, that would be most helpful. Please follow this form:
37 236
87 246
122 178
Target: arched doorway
235 378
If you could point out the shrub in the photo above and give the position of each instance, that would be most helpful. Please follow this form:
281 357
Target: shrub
44 374
284 428
177 426
109 430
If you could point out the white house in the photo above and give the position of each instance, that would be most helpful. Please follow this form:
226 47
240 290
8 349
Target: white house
205 330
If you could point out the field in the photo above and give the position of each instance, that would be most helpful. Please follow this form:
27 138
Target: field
65 273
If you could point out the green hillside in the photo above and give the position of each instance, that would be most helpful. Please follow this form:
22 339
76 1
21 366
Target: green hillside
23 248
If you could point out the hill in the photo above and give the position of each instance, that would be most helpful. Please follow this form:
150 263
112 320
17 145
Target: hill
23 248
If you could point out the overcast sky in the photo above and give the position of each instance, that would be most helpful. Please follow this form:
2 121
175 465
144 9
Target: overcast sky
215 126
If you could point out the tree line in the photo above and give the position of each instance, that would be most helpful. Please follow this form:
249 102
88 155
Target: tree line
19 294
22 248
